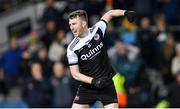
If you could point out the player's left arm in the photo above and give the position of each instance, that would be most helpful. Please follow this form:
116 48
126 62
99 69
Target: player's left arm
79 76
97 82
131 15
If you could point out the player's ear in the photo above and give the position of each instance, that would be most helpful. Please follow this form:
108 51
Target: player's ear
84 23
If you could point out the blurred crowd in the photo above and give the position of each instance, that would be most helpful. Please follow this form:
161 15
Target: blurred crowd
146 53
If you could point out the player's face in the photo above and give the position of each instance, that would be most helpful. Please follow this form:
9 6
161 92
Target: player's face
76 26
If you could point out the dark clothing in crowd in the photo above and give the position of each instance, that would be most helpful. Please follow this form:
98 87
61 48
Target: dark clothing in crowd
174 96
46 67
3 88
146 42
37 94
51 13
62 96
11 62
25 68
48 38
164 60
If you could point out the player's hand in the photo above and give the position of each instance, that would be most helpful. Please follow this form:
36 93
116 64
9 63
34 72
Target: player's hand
100 82
130 15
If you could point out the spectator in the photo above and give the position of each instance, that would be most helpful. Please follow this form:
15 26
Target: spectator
36 91
50 33
46 64
25 65
69 37
138 91
94 9
127 32
143 8
176 61
57 50
170 9
173 92
51 13
61 37
145 40
34 43
60 82
161 31
3 86
125 60
73 5
111 37
11 61
164 59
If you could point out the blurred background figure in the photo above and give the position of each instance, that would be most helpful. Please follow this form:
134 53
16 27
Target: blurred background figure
169 8
34 43
42 58
36 91
164 59
145 39
51 13
4 91
11 61
57 48
94 9
173 92
50 33
125 60
176 61
60 81
26 64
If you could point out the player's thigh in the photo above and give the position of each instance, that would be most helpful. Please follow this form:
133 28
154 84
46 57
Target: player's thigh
112 105
75 105
108 95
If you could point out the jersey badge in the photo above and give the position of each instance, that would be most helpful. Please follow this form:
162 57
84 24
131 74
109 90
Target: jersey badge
96 36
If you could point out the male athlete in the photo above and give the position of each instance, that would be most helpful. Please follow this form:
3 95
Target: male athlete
88 59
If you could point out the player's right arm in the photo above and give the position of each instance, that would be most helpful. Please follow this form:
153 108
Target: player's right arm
102 24
131 15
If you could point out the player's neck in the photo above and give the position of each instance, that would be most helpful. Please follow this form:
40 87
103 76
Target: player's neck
85 33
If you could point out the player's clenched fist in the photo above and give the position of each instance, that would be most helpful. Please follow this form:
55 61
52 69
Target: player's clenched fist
100 82
131 15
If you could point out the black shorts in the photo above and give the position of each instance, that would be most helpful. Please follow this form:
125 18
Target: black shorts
88 94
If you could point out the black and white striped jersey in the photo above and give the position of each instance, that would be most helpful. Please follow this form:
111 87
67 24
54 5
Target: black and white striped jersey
90 52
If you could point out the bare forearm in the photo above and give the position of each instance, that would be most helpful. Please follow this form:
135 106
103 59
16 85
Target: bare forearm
79 76
112 13
97 82
83 78
116 12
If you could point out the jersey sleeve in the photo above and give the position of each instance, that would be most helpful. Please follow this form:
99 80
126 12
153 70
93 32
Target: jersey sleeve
72 57
102 24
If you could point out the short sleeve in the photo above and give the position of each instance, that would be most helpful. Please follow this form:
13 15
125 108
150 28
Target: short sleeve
72 57
102 24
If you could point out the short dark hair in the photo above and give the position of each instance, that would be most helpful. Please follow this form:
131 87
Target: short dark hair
78 13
